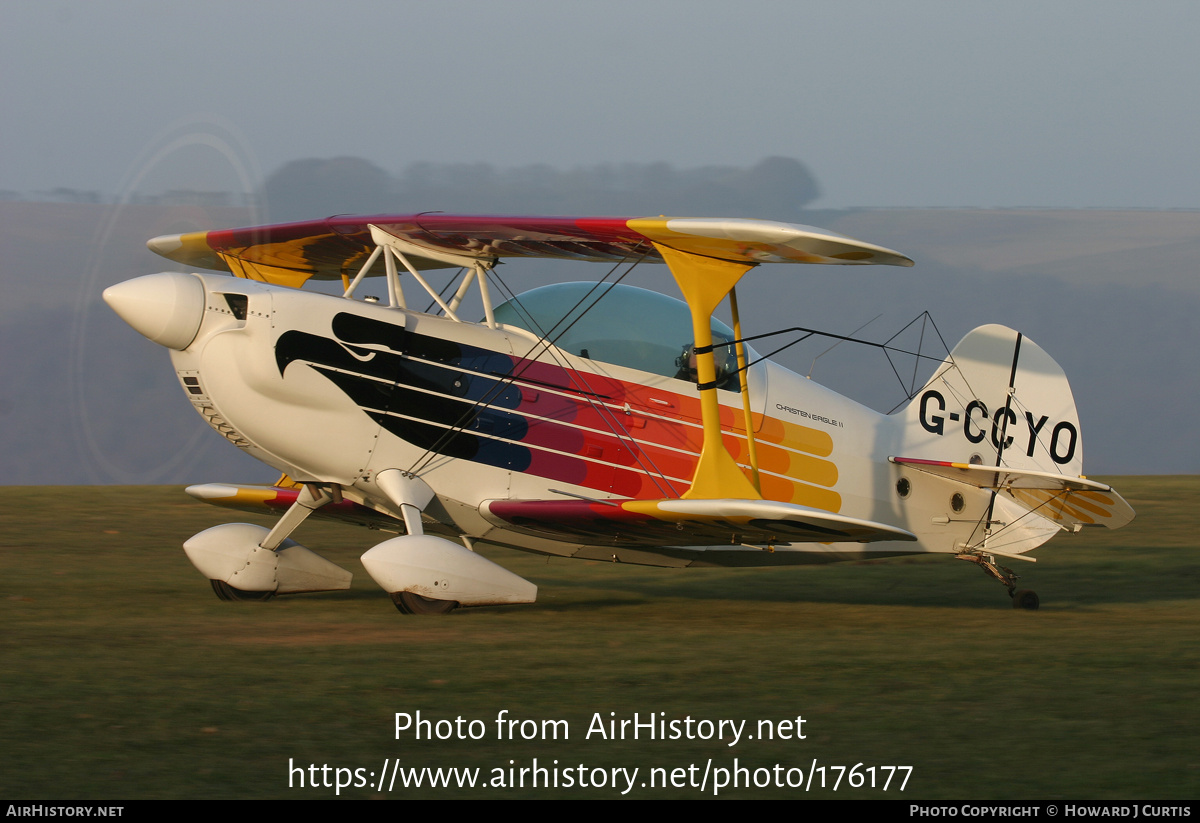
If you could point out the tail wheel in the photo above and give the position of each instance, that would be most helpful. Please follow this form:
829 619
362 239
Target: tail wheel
1026 599
409 603
226 592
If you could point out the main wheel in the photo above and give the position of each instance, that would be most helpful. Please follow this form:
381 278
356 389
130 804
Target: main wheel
409 603
1025 599
227 592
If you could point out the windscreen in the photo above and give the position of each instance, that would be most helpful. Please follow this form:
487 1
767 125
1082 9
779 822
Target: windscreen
620 324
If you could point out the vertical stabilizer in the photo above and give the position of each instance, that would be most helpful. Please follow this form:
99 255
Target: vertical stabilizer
997 400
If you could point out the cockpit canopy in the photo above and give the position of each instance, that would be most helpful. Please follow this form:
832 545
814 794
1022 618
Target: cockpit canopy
623 325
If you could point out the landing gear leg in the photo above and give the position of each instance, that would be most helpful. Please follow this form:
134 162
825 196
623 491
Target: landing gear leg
425 574
308 501
409 493
1021 598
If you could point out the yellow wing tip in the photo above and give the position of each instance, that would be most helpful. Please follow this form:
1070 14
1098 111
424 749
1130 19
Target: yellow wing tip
191 249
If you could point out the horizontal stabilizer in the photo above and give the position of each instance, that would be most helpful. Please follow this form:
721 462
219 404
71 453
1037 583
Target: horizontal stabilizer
692 522
1066 500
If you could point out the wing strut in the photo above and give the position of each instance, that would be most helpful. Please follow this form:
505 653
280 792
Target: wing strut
744 384
704 282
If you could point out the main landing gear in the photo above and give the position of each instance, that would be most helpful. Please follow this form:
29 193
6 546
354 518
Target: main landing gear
245 562
427 575
422 573
1026 599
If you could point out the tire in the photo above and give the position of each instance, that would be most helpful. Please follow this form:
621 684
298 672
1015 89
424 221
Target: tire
1025 599
226 592
409 603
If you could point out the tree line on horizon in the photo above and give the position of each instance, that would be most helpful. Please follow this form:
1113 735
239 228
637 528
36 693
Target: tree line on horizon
775 188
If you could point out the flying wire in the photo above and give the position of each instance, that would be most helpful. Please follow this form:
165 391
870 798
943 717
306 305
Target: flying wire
813 365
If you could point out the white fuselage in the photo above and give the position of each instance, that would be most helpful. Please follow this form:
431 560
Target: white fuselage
332 390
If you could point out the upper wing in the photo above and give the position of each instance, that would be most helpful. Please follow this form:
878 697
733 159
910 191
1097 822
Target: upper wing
694 522
1066 500
291 253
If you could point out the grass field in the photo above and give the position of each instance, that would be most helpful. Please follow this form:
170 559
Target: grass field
123 676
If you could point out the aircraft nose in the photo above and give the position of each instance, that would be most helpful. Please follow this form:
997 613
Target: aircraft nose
166 308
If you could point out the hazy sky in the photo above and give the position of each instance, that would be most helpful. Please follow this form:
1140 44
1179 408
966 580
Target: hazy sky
924 103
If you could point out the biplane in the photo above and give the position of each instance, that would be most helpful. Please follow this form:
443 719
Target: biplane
582 419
